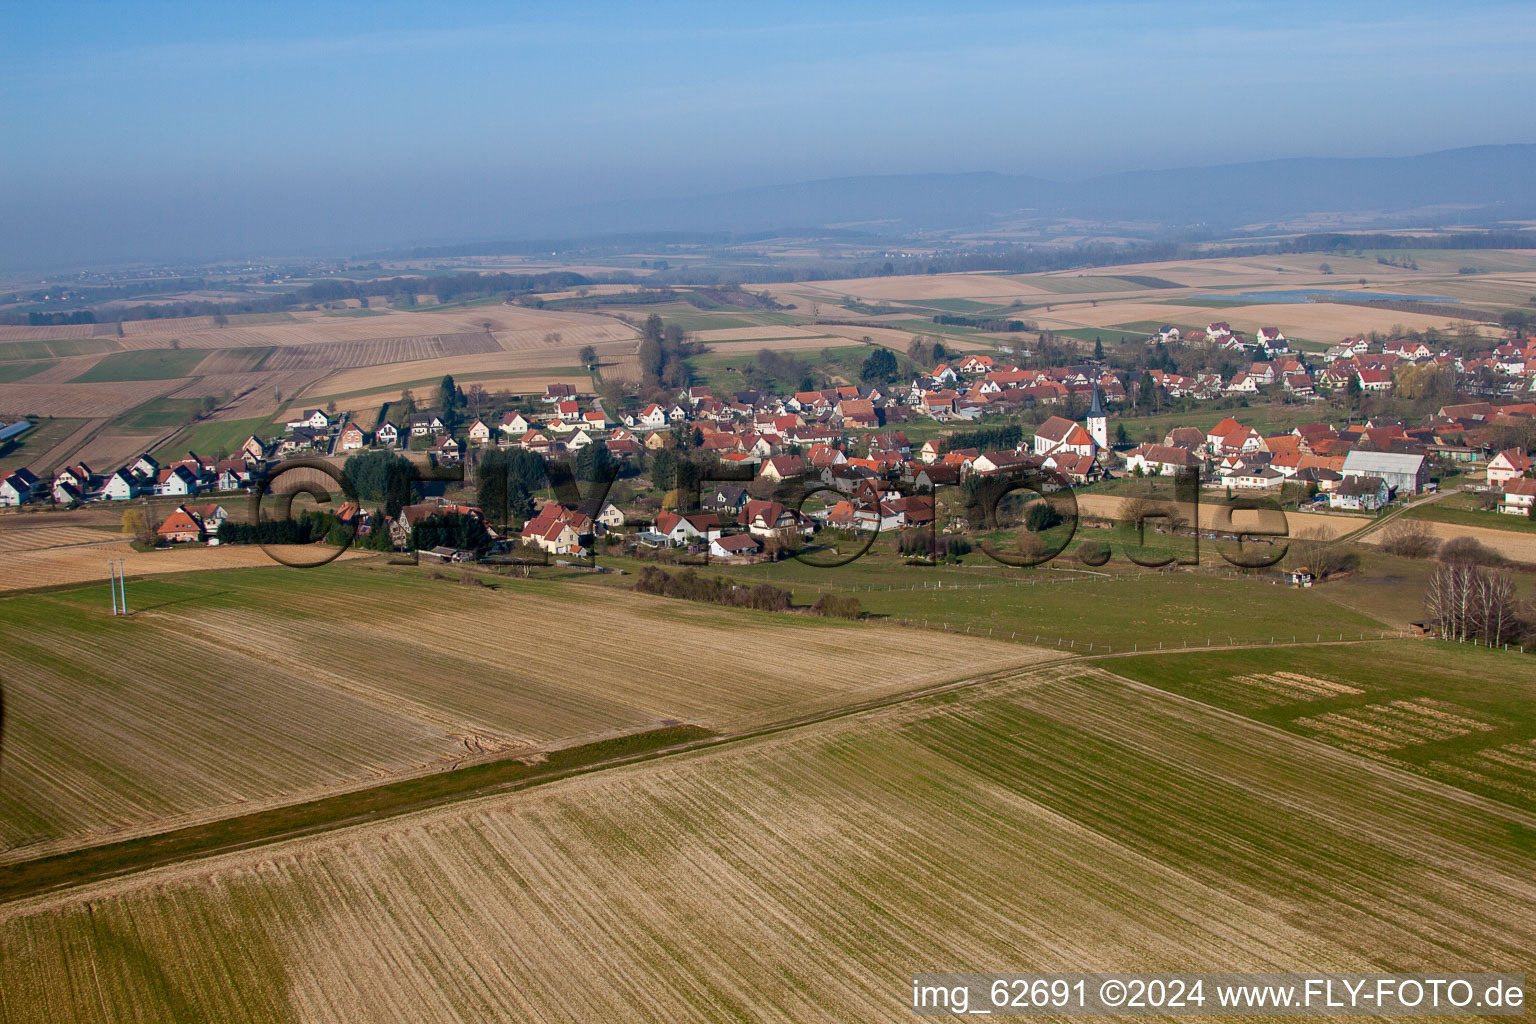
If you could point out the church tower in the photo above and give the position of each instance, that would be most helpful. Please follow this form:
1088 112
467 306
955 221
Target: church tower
1098 423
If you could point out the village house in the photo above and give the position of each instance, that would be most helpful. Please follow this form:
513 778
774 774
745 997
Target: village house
735 546
314 419
1359 494
181 527
478 433
683 530
387 434
351 438
1160 460
1519 497
1508 465
17 487
783 467
771 519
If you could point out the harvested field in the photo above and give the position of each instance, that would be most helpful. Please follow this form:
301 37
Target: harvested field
1377 727
392 376
1520 546
88 401
1272 689
900 339
397 674
64 566
365 404
335 355
14 538
805 875
1107 506
929 286
19 332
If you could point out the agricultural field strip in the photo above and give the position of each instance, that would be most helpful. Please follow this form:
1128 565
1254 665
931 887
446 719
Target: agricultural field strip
1118 818
498 698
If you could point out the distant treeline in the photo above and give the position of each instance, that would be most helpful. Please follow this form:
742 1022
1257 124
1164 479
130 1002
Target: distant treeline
447 288
980 323
1335 241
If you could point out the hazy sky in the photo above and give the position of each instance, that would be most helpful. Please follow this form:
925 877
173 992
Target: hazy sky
159 129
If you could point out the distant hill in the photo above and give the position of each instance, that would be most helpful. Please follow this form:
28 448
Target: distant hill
1496 180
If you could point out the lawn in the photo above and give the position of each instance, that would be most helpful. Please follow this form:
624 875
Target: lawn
38 441
143 364
1465 716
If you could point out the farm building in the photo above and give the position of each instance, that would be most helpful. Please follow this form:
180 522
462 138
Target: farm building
1402 473
10 430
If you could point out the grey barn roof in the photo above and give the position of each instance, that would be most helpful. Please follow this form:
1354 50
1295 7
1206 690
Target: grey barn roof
1382 462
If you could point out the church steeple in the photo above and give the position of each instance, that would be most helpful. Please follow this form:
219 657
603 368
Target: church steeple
1098 422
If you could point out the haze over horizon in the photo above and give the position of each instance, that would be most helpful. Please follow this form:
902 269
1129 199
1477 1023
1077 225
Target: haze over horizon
156 132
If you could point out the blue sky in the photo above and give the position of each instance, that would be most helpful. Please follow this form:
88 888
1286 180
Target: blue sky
225 127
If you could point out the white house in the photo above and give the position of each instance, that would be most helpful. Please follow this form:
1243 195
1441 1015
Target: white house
1359 494
1519 497
682 530
17 487
479 433
314 419
387 434
120 487
1508 465
737 545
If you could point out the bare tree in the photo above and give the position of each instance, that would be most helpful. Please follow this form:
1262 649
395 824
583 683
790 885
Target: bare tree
476 398
1471 605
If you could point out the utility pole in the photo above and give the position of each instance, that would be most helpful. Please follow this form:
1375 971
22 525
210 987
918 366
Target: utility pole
119 583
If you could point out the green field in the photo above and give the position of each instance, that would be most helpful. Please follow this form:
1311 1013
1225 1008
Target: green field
1108 335
22 369
143 364
722 374
1465 716
1112 608
59 349
37 442
1463 510
158 414
1265 417
210 437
